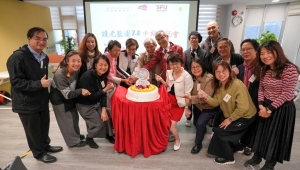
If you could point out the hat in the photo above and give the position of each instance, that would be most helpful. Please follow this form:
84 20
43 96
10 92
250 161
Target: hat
197 34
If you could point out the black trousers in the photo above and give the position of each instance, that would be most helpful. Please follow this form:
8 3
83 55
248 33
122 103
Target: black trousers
203 118
36 126
226 141
196 112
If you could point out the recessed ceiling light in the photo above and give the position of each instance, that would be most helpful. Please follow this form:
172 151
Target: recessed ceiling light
275 0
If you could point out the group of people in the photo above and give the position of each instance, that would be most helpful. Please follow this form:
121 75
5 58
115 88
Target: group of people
248 95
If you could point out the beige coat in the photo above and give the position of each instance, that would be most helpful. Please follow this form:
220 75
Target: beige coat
206 84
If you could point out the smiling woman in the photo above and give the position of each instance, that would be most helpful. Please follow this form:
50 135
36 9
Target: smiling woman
238 113
63 92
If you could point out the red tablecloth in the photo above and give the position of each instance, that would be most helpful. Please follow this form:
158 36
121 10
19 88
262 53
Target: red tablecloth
140 127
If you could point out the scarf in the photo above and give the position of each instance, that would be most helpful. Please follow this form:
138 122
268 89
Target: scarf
248 72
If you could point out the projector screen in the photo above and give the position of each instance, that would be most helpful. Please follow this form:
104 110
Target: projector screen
120 20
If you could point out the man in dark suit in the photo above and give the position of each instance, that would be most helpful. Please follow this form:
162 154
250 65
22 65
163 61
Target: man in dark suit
28 72
194 52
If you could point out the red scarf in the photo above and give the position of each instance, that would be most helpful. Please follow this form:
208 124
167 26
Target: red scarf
248 72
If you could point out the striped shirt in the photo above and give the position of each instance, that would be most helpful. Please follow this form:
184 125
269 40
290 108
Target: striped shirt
279 90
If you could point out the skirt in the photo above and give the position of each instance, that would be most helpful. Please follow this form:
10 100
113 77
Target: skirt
274 136
176 111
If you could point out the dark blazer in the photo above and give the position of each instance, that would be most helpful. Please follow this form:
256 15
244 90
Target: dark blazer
201 53
253 88
235 59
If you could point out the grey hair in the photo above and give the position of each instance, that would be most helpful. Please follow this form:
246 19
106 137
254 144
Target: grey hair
148 40
161 31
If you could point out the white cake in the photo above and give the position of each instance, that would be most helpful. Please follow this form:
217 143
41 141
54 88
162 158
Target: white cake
142 94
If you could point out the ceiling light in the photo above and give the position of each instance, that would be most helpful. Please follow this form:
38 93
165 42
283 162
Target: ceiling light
275 0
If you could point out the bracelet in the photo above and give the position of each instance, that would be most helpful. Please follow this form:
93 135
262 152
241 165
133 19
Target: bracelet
186 107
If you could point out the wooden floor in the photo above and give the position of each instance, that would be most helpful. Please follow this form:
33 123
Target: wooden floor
13 143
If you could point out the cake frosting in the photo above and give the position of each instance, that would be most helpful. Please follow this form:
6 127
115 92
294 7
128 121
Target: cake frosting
142 91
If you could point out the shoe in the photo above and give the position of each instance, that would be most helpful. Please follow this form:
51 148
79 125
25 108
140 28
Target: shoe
196 149
110 139
223 161
188 123
176 147
54 149
247 151
171 138
79 145
47 158
253 161
91 143
269 165
82 137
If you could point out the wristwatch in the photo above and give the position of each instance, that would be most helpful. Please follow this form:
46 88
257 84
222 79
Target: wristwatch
268 110
186 107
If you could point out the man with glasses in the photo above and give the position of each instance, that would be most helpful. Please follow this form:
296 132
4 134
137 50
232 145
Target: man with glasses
161 54
234 59
210 44
194 52
28 71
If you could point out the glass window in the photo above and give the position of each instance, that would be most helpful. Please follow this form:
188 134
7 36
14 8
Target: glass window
251 32
273 27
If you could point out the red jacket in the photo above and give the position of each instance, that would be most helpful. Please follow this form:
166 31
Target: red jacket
159 57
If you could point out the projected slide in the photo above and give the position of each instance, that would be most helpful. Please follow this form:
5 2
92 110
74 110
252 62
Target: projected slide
121 21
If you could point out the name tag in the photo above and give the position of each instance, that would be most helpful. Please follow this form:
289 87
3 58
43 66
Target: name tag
212 49
42 64
252 78
102 84
227 97
198 86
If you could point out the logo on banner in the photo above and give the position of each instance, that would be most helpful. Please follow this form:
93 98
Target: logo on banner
161 8
143 7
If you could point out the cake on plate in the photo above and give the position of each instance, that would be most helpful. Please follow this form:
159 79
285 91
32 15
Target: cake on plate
142 91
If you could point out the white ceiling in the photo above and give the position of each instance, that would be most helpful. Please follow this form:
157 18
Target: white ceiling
211 2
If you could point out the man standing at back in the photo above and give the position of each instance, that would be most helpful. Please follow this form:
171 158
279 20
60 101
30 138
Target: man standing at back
28 71
210 44
162 53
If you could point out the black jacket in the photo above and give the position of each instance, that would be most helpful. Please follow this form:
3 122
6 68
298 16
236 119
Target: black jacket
25 73
253 88
201 53
94 84
235 59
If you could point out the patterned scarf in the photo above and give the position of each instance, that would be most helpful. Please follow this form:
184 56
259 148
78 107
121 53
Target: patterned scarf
248 72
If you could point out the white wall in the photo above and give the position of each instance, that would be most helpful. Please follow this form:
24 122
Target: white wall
234 33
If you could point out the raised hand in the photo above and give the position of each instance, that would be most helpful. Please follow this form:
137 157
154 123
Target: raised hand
108 87
45 82
85 92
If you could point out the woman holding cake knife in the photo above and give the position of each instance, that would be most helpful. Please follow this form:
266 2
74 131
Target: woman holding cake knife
178 82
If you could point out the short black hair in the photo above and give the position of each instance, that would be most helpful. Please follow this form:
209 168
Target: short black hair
197 34
31 32
174 57
113 43
252 41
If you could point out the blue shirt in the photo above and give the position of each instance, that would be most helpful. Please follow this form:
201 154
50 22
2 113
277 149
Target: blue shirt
37 56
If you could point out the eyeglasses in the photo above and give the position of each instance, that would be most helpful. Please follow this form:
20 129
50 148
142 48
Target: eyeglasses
223 72
196 67
161 38
194 38
37 38
223 47
174 64
246 49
